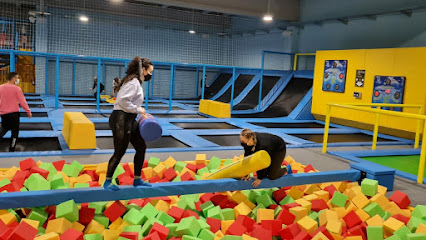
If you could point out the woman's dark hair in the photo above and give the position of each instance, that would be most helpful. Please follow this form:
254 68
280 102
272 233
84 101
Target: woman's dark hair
249 134
134 70
116 79
11 75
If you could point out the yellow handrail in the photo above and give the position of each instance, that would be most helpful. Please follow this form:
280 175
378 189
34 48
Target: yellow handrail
300 54
379 111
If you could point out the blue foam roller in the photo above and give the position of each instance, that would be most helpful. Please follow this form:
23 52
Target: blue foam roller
149 128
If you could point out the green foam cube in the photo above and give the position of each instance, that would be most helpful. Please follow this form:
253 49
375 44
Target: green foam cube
102 220
375 232
231 237
215 212
78 166
198 177
4 182
49 167
402 232
191 197
122 238
374 209
134 217
228 214
369 187
227 162
148 225
35 182
98 206
81 185
68 210
41 230
70 170
177 179
286 200
188 226
148 212
339 199
277 211
386 215
414 223
202 171
393 237
23 189
416 236
186 204
206 234
118 171
265 200
203 223
134 228
56 181
420 212
38 215
153 162
186 237
314 215
133 206
179 166
214 163
172 229
165 218
93 236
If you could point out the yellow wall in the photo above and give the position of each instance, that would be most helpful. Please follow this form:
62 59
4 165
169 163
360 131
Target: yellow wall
408 62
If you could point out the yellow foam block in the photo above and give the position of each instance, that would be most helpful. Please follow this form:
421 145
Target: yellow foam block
304 203
109 234
162 206
350 207
58 226
249 204
295 193
48 236
170 162
219 234
33 223
320 236
289 159
393 209
225 225
391 225
334 226
354 238
200 158
39 163
351 185
310 197
362 214
421 228
102 168
73 180
308 224
147 172
116 224
174 199
382 190
299 212
311 188
11 172
215 109
247 237
84 178
321 194
264 214
350 193
4 211
327 215
8 218
376 220
341 212
242 209
341 186
102 178
78 226
381 200
78 131
94 227
360 201
159 169
238 197
123 225
406 212
336 236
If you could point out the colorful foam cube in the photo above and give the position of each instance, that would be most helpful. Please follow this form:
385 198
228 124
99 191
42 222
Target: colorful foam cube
94 227
299 212
50 236
374 209
369 187
402 232
39 215
214 163
264 214
93 236
58 226
420 212
206 234
308 224
162 231
24 231
134 217
72 234
391 225
339 199
352 219
116 210
68 210
153 162
27 164
188 226
416 236
375 232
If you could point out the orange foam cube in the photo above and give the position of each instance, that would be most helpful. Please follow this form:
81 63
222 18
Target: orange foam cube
322 195
295 193
308 224
58 226
320 236
238 197
391 225
334 226
376 220
94 227
242 209
264 214
78 226
159 170
109 234
170 162
48 236
304 203
225 225
299 212
327 215
33 223
360 201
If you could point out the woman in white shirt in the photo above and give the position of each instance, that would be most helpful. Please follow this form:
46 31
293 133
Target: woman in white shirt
123 123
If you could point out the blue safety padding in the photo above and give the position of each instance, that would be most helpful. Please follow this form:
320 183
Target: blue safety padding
225 87
83 195
247 89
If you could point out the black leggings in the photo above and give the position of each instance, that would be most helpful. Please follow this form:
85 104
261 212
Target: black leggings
11 122
125 129
274 171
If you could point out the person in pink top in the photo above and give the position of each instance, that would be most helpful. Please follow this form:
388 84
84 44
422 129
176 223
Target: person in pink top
11 97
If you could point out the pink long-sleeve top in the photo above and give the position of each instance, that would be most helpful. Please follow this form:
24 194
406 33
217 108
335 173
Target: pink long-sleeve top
11 97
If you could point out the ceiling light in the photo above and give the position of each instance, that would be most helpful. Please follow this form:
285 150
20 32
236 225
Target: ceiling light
84 18
268 18
191 31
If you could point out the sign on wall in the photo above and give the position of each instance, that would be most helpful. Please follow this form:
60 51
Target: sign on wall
334 75
388 89
359 78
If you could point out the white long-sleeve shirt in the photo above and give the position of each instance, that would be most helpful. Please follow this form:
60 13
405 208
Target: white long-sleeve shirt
130 97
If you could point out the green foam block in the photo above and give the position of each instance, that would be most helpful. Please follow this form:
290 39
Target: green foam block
231 237
228 214
339 199
420 212
179 166
93 236
68 210
98 206
153 162
369 187
102 220
148 212
214 163
38 215
265 200
287 200
374 209
375 232
49 167
148 225
165 218
134 217
172 229
206 234
188 226
186 237
402 232
416 236
70 170
215 212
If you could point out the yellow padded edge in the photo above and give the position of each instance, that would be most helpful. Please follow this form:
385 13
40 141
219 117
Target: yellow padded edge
78 131
215 109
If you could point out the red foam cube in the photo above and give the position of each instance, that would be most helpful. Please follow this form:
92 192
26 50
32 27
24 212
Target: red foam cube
236 229
352 219
290 232
219 200
215 224
138 202
59 165
169 174
324 231
20 176
198 206
51 210
23 231
27 164
261 234
330 189
206 197
152 236
187 177
200 166
230 205
246 222
309 168
402 218
273 206
286 217
303 236
189 213
318 205
291 205
94 184
274 225
162 231
154 179
401 199
72 234
116 210
128 170
125 179
5 232
86 215
130 235
92 174
176 213
44 173
191 167
356 231
279 194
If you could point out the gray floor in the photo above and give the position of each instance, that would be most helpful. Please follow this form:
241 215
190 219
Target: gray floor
322 162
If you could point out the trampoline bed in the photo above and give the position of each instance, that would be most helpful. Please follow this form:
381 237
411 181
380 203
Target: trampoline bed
32 144
289 125
336 138
204 125
178 116
97 115
34 99
35 114
35 105
78 101
163 142
35 126
162 108
88 106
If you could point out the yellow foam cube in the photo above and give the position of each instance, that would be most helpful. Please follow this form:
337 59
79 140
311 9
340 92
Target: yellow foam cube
33 223
381 200
360 201
238 197
65 177
48 236
299 212
406 212
122 226
159 170
308 224
102 168
11 172
304 203
336 236
94 227
350 207
311 188
58 226
249 204
323 195
310 197
200 158
116 224
242 209
327 215
4 211
264 214
334 226
341 186
78 226
382 190
354 238
351 185
225 225
320 236
362 214
162 206
219 234
295 193
78 131
247 237
376 220
102 178
109 234
185 170
421 228
147 172
289 159
84 178
174 199
73 180
393 209
8 218
170 162
341 212
391 225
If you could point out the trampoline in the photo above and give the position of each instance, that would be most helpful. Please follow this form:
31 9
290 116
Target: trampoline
35 126
34 99
240 83
97 115
88 106
78 100
32 94
35 105
204 125
224 140
163 142
35 114
102 126
408 163
218 84
251 100
76 96
336 138
178 116
289 125
32 144
162 108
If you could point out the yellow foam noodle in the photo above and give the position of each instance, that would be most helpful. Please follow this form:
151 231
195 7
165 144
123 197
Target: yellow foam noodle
243 167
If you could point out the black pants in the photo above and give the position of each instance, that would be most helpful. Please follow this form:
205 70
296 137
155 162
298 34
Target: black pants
10 122
274 171
125 129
